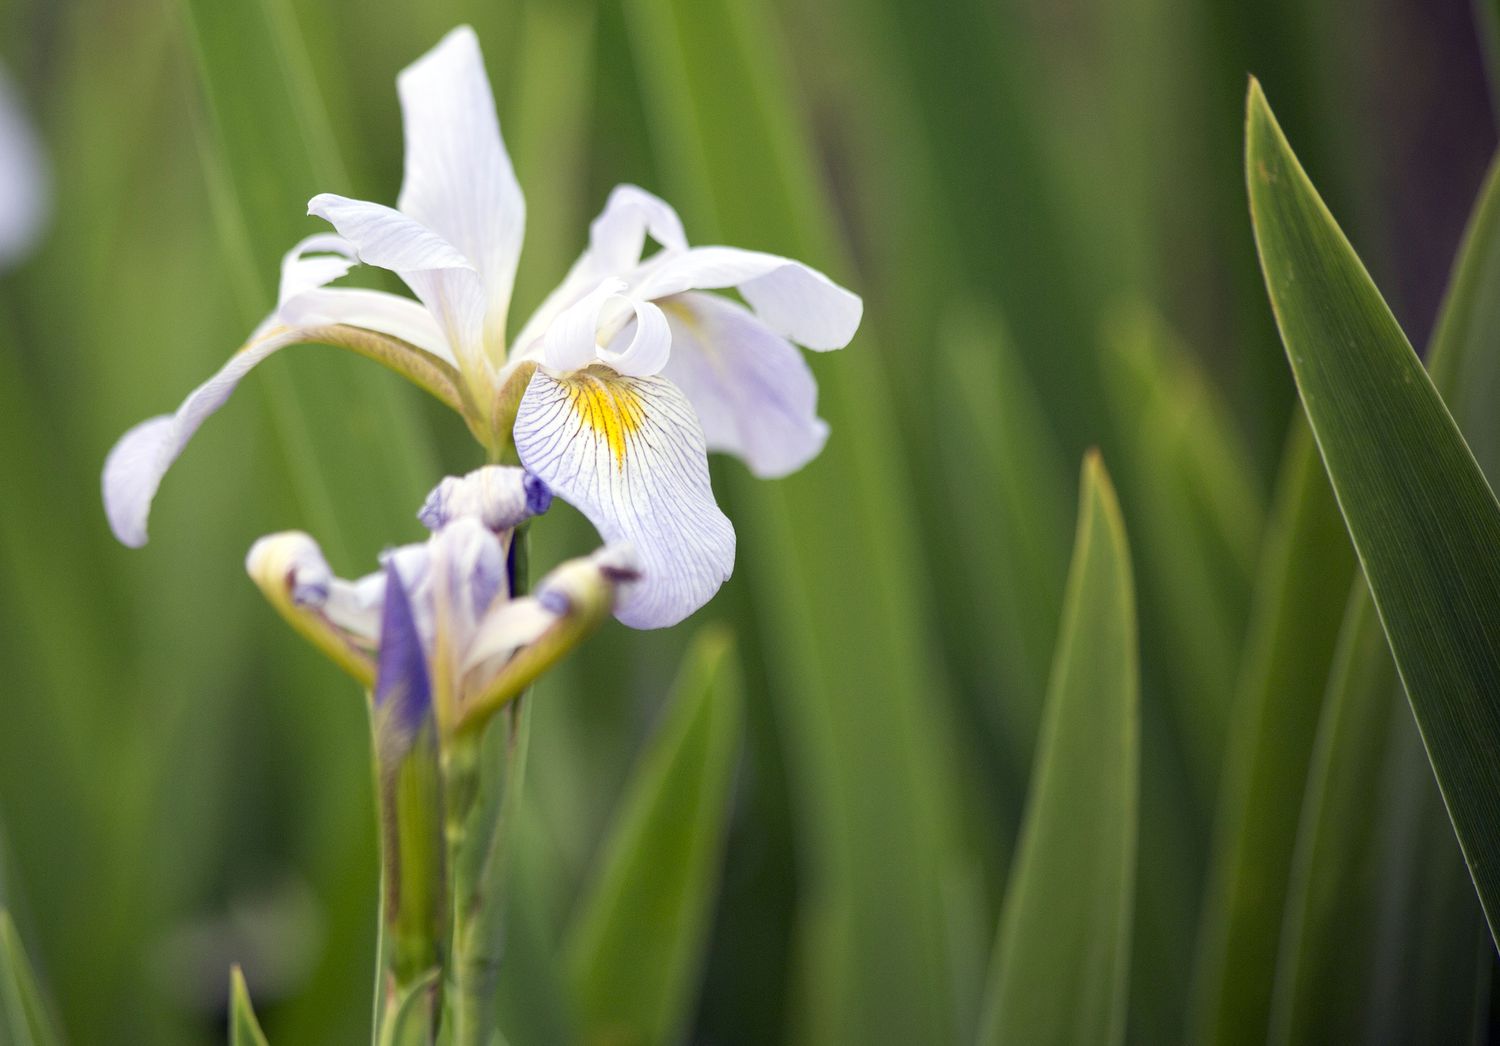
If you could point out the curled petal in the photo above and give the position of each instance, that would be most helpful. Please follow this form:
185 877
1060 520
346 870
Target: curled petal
638 347
749 386
616 239
629 454
500 496
459 180
618 236
294 576
135 467
294 561
793 300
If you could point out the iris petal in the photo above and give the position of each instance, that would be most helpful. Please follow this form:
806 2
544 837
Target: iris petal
629 454
750 387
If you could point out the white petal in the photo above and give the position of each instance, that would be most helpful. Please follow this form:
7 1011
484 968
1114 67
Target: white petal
304 301
749 386
638 344
458 180
135 466
616 239
434 268
292 559
629 454
24 195
794 300
618 235
355 606
316 260
467 566
508 627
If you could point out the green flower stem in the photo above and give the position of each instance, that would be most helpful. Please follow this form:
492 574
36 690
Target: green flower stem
484 771
414 927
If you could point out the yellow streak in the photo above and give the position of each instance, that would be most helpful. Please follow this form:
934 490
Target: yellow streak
607 404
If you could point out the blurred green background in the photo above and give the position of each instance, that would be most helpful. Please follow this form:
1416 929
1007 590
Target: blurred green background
1043 207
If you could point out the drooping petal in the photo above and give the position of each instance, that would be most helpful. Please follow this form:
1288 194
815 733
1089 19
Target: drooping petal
445 280
499 496
629 454
616 238
459 180
403 689
795 301
637 339
24 195
751 389
135 467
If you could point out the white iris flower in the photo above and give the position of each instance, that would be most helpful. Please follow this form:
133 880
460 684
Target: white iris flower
612 393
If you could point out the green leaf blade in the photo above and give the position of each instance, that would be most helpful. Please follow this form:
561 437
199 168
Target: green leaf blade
1300 599
244 1029
637 945
24 1016
1063 952
1424 520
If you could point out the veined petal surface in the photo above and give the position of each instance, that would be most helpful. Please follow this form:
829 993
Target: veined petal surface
751 389
458 179
629 454
791 298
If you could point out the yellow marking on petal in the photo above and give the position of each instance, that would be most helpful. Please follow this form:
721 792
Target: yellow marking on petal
606 403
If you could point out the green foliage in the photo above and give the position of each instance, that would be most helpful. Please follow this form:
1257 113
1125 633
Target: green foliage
24 1016
1062 956
993 182
637 944
1424 520
244 1029
1300 595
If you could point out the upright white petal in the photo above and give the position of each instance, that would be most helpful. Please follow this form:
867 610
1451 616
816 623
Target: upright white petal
618 236
616 239
749 386
629 454
458 180
793 300
442 277
24 195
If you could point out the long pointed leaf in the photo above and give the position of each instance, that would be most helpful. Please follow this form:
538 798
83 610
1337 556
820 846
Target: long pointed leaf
244 1028
1300 598
1063 953
637 946
1424 520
